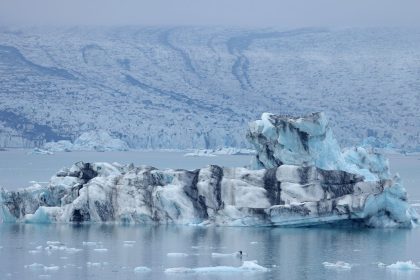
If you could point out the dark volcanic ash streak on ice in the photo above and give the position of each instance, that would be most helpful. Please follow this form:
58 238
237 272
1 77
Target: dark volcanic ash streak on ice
305 179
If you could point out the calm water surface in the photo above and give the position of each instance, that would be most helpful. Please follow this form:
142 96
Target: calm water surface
115 251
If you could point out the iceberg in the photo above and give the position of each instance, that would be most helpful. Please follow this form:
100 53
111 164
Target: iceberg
100 141
405 266
246 267
300 177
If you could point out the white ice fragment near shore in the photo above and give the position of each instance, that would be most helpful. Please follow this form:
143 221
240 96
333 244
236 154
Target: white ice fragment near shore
54 243
89 243
101 250
70 250
177 255
142 269
223 255
339 265
93 264
51 268
247 266
404 266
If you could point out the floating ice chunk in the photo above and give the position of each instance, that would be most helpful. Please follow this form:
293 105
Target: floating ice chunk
89 243
54 243
141 269
223 255
44 276
33 252
129 242
179 270
400 265
62 248
247 266
381 264
177 255
93 264
340 265
34 266
102 250
200 153
253 266
51 268
254 242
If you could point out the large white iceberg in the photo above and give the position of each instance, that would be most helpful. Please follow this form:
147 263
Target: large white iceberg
304 180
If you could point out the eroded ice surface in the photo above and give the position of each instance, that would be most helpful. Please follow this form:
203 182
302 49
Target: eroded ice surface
306 180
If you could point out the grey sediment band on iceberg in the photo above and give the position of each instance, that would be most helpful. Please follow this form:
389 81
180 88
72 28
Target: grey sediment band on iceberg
299 177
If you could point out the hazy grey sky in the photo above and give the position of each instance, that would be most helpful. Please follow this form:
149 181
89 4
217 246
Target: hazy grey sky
280 13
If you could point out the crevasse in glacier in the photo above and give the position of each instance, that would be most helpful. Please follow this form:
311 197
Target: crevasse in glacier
305 180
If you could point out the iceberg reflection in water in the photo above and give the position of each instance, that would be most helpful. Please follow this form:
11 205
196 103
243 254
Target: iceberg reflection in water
286 253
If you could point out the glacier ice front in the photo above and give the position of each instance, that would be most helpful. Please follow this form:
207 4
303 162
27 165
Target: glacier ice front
302 179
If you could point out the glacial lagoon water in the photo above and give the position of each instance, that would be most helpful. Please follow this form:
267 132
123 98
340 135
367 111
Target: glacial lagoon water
114 252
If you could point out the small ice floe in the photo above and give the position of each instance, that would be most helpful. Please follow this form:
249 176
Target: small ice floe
89 243
141 269
254 242
200 153
339 265
129 243
403 266
247 266
415 204
34 266
380 264
44 276
222 255
54 243
51 248
177 255
51 268
64 258
101 250
93 264
33 252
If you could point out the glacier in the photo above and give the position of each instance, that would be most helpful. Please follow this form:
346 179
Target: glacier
100 141
196 87
299 177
